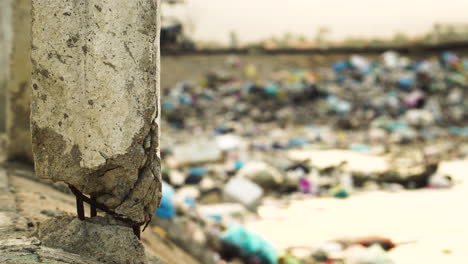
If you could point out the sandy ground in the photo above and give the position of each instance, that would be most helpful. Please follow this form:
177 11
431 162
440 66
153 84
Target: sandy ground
435 220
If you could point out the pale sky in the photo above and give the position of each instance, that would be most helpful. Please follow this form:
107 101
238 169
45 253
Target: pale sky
258 19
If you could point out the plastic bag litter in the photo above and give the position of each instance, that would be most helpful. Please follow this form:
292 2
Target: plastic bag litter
167 208
250 244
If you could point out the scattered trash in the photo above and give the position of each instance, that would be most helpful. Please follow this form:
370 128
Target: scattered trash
261 173
362 255
195 175
243 191
250 245
222 211
228 142
240 138
197 152
339 192
440 181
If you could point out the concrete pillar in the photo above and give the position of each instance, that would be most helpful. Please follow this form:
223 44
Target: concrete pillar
19 83
95 109
5 47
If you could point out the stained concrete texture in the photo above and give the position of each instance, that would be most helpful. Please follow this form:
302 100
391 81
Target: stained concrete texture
18 96
5 45
95 109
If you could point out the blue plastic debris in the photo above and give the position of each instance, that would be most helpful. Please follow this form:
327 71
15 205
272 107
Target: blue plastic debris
184 99
239 164
167 208
271 89
340 66
195 175
217 218
396 126
297 142
406 83
449 58
190 202
360 147
459 131
221 130
338 105
168 105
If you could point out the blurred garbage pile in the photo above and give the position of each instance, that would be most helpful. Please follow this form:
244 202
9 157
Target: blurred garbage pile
361 125
394 93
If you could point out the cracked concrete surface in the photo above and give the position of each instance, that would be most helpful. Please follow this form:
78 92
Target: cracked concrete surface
18 97
95 109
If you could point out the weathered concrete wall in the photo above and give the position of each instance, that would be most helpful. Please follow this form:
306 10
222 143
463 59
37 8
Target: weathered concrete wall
19 83
5 47
95 106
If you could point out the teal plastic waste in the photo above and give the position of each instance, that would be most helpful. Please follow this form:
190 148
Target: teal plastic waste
360 147
250 244
271 89
167 208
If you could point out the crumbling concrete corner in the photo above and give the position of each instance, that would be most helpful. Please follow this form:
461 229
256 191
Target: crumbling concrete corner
95 108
